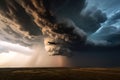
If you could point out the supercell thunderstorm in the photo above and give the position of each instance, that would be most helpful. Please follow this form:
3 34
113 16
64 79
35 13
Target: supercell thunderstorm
58 26
32 17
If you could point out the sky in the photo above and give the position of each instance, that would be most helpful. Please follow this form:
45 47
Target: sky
110 28
59 34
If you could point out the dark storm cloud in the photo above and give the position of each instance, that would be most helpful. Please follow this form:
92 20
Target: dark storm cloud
64 37
30 17
68 7
110 31
109 34
26 19
91 19
114 38
14 12
9 35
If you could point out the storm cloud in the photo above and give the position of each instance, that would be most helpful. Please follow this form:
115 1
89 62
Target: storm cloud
60 25
17 16
30 19
110 30
91 19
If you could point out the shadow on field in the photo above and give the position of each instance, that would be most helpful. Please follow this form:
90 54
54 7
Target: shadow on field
60 74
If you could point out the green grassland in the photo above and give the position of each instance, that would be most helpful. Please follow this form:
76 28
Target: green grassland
60 74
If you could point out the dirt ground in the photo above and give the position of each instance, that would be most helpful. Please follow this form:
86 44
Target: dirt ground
60 74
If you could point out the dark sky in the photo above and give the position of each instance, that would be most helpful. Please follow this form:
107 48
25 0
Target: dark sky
95 23
108 33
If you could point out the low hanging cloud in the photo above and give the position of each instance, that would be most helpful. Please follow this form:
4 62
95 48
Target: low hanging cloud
33 19
5 47
16 16
56 26
10 35
60 25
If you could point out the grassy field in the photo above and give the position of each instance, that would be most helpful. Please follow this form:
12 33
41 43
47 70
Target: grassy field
60 74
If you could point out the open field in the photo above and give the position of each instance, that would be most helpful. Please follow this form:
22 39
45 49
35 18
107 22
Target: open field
60 74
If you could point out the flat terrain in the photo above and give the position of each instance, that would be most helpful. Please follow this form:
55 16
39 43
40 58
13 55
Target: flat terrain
60 74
